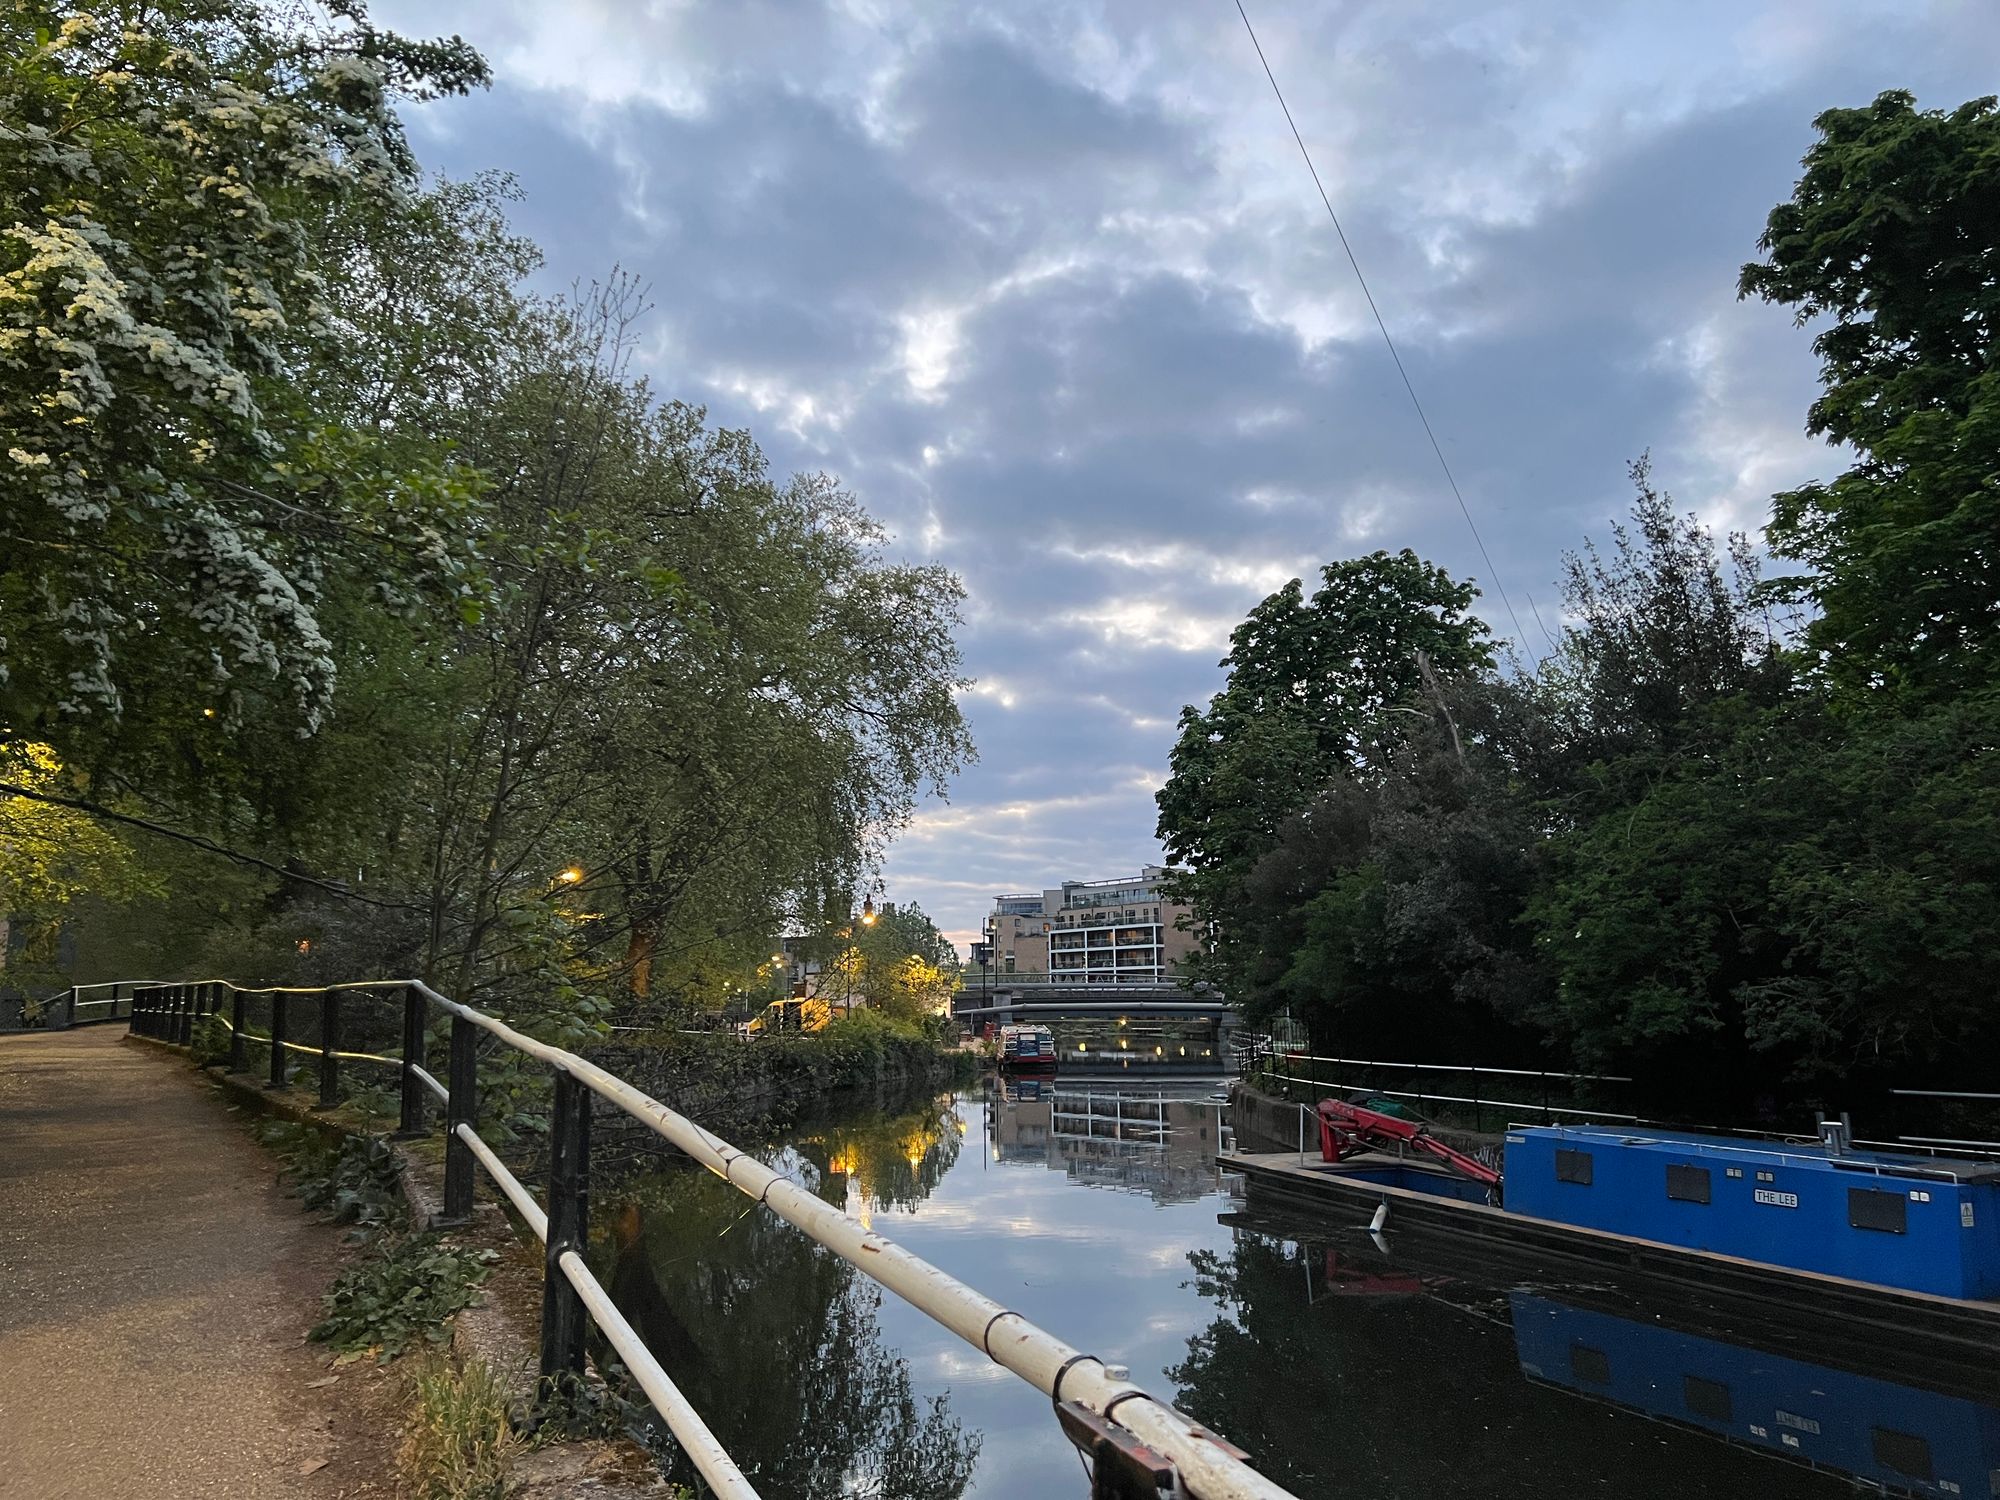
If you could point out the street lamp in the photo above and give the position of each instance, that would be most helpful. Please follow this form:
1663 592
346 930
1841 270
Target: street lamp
867 911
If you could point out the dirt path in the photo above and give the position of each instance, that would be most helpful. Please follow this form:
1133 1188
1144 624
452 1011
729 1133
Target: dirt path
155 1289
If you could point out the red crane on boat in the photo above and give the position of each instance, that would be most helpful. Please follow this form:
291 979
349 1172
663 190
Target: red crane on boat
1347 1130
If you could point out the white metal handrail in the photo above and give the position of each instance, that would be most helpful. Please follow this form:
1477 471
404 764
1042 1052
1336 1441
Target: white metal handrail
1209 1468
1063 1373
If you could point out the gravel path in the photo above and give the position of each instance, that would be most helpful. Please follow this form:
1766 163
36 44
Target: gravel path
155 1289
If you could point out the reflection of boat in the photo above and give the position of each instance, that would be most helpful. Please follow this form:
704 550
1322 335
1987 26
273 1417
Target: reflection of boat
1899 1437
1027 1049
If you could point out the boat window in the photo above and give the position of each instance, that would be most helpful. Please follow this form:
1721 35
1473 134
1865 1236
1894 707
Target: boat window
1588 1364
1904 1452
1869 1209
1573 1166
1688 1184
1707 1398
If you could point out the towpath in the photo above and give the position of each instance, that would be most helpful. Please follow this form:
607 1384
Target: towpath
155 1289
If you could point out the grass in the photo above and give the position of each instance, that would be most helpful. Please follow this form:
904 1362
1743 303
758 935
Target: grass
459 1444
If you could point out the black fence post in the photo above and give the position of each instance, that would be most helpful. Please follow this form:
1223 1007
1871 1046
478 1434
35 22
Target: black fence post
184 1014
415 1012
277 1080
461 1109
569 1229
329 1047
139 1015
239 1044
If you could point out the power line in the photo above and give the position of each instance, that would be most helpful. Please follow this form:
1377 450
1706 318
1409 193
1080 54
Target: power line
1520 635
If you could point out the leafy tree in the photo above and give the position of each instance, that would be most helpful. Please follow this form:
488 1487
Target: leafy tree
1309 681
170 519
1387 916
1663 625
1893 237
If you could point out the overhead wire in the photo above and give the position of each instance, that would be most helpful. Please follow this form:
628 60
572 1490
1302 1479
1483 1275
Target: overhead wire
1395 356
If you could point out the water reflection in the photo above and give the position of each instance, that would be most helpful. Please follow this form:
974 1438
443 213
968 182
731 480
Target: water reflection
876 1162
1894 1436
1426 1369
778 1344
1135 1140
1399 1375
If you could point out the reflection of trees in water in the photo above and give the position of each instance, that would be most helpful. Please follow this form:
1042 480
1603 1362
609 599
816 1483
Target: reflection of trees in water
892 1161
1339 1380
777 1342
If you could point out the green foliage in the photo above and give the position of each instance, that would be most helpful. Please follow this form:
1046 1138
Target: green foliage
1310 683
351 1179
1892 238
402 1291
171 526
460 1443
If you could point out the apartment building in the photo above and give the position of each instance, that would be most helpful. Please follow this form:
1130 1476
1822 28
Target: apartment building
1088 932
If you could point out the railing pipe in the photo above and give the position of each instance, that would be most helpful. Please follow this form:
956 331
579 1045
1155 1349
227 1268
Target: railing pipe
329 1049
277 1079
710 1459
411 1120
239 1021
568 1232
462 1106
1006 1337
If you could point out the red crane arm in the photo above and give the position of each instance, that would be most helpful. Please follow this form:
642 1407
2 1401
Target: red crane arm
1347 1130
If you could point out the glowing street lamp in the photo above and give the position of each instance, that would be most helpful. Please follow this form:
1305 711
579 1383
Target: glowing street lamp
868 911
570 876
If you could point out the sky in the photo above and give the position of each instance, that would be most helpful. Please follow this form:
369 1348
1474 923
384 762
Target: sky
1047 286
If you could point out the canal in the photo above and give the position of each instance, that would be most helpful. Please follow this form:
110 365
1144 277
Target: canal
1346 1366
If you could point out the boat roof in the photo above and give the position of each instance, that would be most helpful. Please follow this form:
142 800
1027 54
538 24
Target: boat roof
1795 1152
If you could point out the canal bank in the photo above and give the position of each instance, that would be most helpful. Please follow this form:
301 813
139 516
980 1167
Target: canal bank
737 1087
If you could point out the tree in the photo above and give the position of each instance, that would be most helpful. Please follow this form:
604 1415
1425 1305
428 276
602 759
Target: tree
170 519
1387 915
1893 235
1309 682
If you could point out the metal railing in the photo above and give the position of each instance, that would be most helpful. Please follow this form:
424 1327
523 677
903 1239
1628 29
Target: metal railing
1259 1057
1100 1409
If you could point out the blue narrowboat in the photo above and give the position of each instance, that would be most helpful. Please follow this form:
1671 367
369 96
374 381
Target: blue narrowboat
1920 1223
1878 1236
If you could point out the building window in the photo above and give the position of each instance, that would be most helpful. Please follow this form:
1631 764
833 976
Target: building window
1574 1166
1868 1209
1707 1398
1687 1184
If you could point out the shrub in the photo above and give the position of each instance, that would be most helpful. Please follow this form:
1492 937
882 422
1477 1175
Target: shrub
408 1290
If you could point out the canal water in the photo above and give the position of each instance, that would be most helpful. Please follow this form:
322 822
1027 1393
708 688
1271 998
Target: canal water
1345 1365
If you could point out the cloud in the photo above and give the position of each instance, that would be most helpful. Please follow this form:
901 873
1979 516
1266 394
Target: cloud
1047 286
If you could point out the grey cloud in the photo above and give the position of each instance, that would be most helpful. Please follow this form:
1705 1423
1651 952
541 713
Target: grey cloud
1105 207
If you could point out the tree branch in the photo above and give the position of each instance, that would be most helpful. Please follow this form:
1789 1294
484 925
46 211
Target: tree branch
209 846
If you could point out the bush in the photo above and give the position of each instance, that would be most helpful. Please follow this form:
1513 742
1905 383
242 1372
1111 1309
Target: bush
352 1179
409 1290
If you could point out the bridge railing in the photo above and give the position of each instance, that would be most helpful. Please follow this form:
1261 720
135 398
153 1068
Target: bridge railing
1124 1429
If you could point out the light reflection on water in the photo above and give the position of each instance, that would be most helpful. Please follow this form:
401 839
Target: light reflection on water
1096 1210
